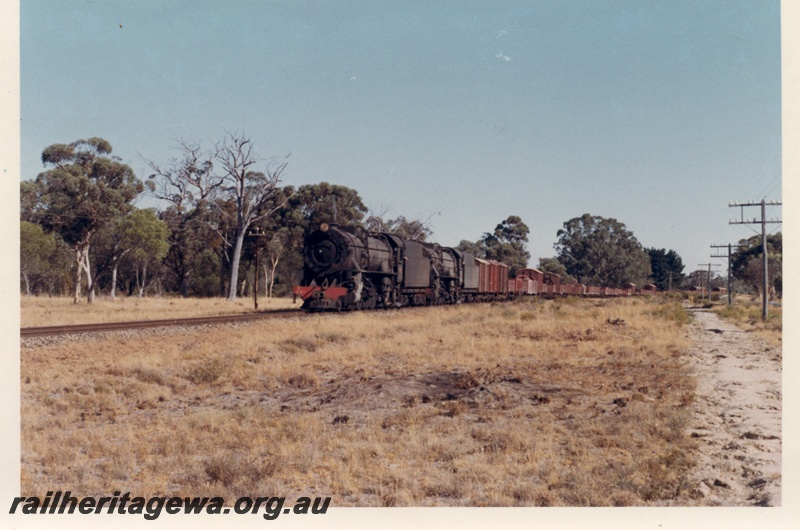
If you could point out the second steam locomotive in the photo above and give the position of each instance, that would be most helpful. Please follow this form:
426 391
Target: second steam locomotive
348 268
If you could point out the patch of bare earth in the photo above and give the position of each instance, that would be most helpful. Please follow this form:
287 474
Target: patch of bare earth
736 415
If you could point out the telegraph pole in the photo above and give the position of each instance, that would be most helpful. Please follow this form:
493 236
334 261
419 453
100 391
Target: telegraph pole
708 277
763 222
728 246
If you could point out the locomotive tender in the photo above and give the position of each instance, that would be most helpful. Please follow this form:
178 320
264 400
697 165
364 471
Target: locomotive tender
347 268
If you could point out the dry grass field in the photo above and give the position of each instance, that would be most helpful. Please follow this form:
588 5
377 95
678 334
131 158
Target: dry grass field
746 313
61 311
536 403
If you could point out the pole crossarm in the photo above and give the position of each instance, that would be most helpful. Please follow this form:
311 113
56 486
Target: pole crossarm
755 203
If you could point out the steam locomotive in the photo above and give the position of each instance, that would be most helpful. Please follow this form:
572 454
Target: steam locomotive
348 268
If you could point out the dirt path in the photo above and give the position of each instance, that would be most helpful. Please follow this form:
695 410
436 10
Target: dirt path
737 415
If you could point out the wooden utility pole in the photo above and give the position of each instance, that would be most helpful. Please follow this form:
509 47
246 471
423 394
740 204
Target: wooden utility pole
728 246
708 277
763 222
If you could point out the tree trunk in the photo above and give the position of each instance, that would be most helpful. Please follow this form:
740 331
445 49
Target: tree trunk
267 286
272 275
237 255
89 283
144 280
27 283
78 272
114 274
185 285
114 281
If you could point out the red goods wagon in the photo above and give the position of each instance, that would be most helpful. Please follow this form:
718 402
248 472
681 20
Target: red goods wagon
523 285
512 286
537 278
483 275
494 277
502 276
552 282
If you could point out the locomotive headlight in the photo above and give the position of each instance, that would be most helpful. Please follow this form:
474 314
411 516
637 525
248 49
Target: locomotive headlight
324 227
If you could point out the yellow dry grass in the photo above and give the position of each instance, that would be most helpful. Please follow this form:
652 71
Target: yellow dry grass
61 311
746 312
537 403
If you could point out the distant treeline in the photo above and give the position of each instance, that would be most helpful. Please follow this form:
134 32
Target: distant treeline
80 231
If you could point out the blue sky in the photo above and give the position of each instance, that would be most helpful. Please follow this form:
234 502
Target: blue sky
655 113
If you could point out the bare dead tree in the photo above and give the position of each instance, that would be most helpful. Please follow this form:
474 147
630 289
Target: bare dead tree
185 181
226 185
250 190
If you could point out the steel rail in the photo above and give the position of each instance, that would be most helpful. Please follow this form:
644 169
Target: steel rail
45 331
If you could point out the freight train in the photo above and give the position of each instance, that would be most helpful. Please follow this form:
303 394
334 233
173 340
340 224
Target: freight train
348 268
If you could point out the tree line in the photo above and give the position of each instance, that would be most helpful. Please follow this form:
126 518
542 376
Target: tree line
80 228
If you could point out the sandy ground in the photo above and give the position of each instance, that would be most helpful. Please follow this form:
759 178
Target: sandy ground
737 415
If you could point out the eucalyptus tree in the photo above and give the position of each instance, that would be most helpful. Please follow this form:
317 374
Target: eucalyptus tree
139 238
313 204
414 229
747 262
556 267
82 190
601 251
44 259
251 190
224 188
476 248
507 243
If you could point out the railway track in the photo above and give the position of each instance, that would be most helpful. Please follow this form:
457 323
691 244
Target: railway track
47 331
